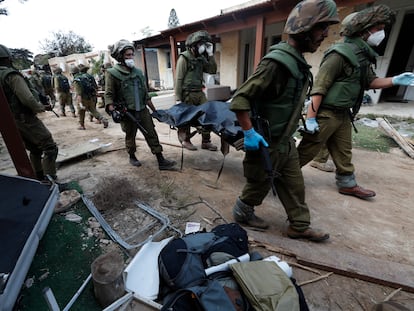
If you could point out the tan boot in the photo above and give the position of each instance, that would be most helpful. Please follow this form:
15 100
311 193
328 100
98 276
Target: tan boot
315 235
244 214
188 145
208 146
328 166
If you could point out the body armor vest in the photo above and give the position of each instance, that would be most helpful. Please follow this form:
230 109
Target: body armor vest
127 94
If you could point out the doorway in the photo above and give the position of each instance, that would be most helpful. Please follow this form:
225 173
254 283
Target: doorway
402 60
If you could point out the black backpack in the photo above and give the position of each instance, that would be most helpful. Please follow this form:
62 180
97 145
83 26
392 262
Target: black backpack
47 81
184 284
64 85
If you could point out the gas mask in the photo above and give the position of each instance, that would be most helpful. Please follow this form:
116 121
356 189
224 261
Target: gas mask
376 38
201 49
129 63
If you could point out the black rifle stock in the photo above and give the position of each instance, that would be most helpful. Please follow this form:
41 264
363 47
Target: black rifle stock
124 112
267 162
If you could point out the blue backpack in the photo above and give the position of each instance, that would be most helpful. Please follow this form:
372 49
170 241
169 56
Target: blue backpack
184 284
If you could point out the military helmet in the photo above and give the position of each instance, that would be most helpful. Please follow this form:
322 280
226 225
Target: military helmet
57 70
119 47
365 19
74 69
198 36
308 13
4 52
346 21
83 68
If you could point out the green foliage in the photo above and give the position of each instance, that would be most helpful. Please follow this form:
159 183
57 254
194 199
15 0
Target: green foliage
372 139
64 44
96 64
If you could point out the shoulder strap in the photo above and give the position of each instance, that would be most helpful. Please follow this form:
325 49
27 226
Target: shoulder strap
347 50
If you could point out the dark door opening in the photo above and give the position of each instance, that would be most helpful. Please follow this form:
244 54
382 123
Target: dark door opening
400 59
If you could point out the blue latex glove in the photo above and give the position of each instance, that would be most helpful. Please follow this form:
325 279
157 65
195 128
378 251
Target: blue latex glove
311 125
252 140
406 78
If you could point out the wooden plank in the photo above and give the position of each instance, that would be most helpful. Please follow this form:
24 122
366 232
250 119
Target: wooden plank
400 140
13 140
326 257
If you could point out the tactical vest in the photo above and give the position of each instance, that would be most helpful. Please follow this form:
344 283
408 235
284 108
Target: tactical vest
126 96
193 80
15 104
279 110
346 92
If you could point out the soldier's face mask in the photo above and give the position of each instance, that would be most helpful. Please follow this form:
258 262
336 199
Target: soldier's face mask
129 63
201 48
376 38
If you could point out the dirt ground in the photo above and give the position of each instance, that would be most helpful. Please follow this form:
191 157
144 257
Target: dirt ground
380 228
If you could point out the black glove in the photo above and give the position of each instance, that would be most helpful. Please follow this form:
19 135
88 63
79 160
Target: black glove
116 116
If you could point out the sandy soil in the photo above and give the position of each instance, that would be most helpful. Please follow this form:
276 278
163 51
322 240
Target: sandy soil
379 228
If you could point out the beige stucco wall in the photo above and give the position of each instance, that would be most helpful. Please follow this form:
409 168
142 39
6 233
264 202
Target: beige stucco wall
314 59
229 59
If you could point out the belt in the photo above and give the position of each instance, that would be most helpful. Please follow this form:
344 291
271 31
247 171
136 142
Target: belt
335 109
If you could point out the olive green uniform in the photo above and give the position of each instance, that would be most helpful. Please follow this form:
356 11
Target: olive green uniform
128 88
339 81
64 96
36 137
189 82
275 89
84 101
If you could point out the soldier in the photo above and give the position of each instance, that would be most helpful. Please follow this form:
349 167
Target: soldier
62 87
91 82
24 105
101 82
276 91
125 89
191 64
85 98
345 72
47 83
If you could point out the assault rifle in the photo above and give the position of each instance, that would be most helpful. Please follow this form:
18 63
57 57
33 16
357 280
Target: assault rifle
260 125
45 101
123 111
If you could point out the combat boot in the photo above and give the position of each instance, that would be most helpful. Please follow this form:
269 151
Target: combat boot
134 161
209 146
206 142
188 145
74 114
315 235
104 122
164 164
81 126
244 214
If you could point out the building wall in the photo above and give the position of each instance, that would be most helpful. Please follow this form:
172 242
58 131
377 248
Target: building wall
166 80
67 62
229 59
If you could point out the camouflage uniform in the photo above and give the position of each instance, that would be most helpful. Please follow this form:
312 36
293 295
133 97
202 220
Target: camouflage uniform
47 82
276 92
85 102
24 106
341 82
64 95
126 99
189 83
